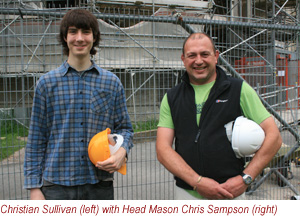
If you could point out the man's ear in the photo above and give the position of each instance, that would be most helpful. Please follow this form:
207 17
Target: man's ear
217 55
182 57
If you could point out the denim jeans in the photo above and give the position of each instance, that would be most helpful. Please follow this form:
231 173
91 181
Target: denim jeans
103 190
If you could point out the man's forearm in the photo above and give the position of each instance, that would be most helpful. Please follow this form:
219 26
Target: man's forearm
36 194
270 147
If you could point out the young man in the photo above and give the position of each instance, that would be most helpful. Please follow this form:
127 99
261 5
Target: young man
194 114
72 104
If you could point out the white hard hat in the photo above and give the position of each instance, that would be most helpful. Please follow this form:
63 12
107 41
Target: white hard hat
246 136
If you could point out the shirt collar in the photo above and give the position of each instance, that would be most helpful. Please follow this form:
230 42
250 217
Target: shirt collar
65 67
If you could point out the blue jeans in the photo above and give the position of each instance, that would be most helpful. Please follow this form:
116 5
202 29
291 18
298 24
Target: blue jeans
103 190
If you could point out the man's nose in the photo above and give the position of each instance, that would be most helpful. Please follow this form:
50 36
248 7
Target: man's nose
198 60
79 36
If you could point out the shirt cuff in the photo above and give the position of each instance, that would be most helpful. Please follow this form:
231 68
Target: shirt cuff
33 182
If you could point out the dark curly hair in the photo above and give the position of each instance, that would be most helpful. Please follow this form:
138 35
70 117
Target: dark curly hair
81 19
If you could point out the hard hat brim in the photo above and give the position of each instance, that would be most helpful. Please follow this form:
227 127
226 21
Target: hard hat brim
99 149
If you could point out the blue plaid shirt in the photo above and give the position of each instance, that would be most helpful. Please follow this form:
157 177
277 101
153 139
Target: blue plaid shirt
69 108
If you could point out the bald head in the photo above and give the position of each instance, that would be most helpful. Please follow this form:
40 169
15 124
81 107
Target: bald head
194 36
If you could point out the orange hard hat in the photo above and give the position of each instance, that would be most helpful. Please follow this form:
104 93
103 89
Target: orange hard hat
99 149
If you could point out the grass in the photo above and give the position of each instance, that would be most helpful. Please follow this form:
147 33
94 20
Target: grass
145 125
9 145
12 136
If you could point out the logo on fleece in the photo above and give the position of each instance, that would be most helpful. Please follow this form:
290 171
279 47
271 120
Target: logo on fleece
221 101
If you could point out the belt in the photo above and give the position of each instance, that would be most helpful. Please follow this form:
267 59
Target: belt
105 183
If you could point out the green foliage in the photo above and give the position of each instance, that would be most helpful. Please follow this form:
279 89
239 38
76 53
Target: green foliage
145 125
10 144
9 125
13 136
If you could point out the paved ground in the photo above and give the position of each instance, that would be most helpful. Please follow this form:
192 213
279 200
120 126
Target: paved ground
11 177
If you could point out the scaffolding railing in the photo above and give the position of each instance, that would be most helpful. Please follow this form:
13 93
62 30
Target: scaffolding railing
142 46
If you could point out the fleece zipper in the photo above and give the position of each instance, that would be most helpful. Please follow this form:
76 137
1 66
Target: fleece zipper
214 93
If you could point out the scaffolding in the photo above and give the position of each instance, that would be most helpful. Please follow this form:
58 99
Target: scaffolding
142 43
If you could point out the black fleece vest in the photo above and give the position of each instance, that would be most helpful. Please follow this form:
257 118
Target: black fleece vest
206 148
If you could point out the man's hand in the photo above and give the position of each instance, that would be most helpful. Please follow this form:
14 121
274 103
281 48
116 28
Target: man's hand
235 186
211 189
114 162
36 194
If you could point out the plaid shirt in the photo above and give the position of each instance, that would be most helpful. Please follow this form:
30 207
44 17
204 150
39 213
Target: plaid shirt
68 110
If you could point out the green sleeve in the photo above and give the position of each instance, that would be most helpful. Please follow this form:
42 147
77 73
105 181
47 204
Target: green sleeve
251 104
165 117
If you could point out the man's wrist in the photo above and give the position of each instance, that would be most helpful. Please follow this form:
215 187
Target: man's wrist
198 181
247 178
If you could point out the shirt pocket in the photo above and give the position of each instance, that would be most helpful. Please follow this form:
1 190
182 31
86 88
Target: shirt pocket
101 101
